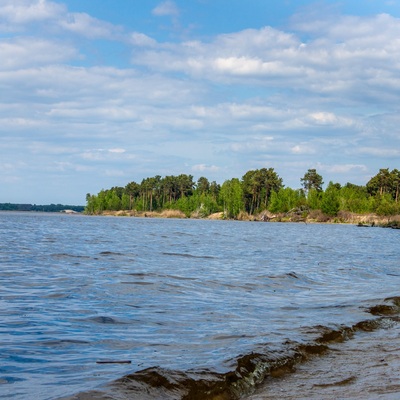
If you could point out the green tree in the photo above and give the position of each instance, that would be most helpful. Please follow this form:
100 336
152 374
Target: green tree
355 199
170 189
132 189
232 197
380 183
90 204
330 203
203 185
285 200
185 185
312 180
314 199
125 202
113 201
257 188
214 190
385 205
395 174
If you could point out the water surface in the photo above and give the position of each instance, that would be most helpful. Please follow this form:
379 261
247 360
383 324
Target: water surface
185 296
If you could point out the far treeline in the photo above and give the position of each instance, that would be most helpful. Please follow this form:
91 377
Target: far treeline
257 192
42 208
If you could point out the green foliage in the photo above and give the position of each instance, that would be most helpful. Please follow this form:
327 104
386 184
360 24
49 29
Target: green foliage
256 191
330 204
257 187
185 204
203 185
314 199
41 208
385 206
285 200
355 199
312 180
232 197
385 182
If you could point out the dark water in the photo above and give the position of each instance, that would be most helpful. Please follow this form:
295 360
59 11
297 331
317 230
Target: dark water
202 309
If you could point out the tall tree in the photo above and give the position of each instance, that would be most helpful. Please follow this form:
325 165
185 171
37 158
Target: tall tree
395 184
257 187
330 203
232 197
380 183
185 184
132 189
203 185
312 180
214 190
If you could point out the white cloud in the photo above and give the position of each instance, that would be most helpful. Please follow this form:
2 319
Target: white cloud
256 98
28 52
142 40
166 8
352 58
205 168
303 149
87 26
25 11
52 17
343 168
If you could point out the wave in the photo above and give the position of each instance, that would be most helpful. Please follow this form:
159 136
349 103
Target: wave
248 372
187 255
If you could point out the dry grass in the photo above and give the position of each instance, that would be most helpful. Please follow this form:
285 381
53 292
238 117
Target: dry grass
315 216
172 214
219 215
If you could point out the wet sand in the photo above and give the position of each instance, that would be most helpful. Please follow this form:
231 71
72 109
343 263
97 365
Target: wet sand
364 367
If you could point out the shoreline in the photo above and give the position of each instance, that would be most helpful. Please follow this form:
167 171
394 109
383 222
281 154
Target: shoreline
364 220
363 367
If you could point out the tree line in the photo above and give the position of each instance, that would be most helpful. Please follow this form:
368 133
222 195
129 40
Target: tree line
42 208
257 191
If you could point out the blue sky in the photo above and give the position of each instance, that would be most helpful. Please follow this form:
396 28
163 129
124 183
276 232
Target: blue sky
95 94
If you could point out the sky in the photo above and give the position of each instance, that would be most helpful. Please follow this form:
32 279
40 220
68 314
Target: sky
96 94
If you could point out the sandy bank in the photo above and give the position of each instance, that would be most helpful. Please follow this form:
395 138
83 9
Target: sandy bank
364 367
343 217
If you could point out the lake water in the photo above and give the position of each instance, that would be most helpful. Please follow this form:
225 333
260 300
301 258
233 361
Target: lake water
197 307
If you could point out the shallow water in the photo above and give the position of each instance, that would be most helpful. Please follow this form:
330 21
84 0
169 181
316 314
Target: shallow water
185 296
365 367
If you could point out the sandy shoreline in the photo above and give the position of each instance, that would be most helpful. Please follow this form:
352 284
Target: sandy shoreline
364 367
314 217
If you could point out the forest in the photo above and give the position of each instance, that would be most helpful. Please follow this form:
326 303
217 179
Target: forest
41 208
257 192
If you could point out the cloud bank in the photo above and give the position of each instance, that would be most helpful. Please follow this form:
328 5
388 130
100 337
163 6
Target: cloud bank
323 92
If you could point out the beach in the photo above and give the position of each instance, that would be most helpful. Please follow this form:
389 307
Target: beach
366 366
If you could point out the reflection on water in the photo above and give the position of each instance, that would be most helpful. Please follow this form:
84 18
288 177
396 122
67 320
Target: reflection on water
175 295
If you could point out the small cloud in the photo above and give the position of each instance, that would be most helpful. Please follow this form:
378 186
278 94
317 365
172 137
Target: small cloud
342 168
323 118
101 154
85 25
142 40
302 149
205 168
166 8
20 13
